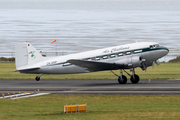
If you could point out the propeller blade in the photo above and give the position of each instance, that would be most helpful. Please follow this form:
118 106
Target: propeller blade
144 66
153 64
157 62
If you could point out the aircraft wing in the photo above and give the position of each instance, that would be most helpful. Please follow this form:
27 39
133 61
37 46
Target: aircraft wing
95 65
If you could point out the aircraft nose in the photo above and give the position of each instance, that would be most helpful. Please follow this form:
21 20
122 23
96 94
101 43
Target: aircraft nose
165 50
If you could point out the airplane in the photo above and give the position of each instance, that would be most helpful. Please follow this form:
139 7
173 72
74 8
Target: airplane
130 56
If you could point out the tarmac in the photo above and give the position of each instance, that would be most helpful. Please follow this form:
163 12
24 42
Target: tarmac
144 87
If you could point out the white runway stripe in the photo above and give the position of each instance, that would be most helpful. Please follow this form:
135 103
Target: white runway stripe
18 96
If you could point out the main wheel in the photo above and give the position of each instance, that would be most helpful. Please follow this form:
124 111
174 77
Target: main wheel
135 79
37 78
122 80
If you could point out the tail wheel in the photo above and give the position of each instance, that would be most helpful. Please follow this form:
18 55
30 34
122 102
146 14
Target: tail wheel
122 80
37 78
135 79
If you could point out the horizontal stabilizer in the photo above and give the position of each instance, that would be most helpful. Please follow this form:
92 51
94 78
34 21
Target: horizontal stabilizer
95 65
25 69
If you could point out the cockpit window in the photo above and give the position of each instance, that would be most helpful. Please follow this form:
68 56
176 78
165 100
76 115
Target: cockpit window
154 46
157 45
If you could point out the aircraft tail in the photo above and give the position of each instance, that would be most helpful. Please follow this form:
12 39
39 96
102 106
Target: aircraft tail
26 54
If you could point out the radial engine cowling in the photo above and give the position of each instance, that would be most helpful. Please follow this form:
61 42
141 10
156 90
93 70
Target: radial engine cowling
135 61
130 62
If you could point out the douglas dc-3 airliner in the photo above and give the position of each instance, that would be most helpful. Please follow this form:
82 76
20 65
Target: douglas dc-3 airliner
129 56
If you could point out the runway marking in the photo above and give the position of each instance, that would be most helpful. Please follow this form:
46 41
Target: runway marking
118 92
90 87
23 95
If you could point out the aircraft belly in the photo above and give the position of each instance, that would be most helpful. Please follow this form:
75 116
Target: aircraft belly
57 69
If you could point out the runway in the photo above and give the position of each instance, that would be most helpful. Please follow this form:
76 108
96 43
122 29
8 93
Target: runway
144 87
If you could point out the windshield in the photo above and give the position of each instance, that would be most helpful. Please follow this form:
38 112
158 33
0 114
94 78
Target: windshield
154 46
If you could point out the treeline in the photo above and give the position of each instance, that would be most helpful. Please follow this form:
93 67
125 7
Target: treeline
3 59
176 60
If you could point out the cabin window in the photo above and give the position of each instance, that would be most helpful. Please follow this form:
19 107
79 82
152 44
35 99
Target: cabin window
128 53
105 57
88 59
120 54
113 55
137 51
97 58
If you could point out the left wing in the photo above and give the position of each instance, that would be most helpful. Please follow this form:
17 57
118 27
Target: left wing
95 65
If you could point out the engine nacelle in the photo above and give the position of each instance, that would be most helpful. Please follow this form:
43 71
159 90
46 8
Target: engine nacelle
130 62
135 61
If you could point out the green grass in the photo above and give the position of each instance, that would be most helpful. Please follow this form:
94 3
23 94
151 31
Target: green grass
99 107
163 71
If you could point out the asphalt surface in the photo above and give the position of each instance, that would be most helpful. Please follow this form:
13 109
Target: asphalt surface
144 87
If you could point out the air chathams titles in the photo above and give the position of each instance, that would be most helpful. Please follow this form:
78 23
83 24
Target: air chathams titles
115 50
106 51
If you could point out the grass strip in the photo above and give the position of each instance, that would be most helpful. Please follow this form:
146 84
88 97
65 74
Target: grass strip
163 71
99 107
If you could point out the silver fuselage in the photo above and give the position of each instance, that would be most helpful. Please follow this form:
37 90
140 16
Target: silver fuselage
118 57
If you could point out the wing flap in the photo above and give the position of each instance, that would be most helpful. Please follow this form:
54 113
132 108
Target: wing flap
95 65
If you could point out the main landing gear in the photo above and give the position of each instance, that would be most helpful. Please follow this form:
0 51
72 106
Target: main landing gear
123 79
38 77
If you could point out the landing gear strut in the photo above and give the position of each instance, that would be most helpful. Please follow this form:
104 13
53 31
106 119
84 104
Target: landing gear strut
38 77
123 79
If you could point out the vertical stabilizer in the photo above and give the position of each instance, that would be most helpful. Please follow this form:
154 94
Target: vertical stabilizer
26 54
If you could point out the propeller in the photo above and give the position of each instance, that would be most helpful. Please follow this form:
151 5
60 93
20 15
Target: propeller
143 64
155 62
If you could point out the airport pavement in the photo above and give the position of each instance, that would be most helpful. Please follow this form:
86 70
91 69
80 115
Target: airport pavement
144 87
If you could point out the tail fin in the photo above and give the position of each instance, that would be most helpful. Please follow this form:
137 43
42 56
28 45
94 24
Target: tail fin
26 54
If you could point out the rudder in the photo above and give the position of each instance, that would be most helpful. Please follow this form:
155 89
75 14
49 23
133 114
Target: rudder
26 54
